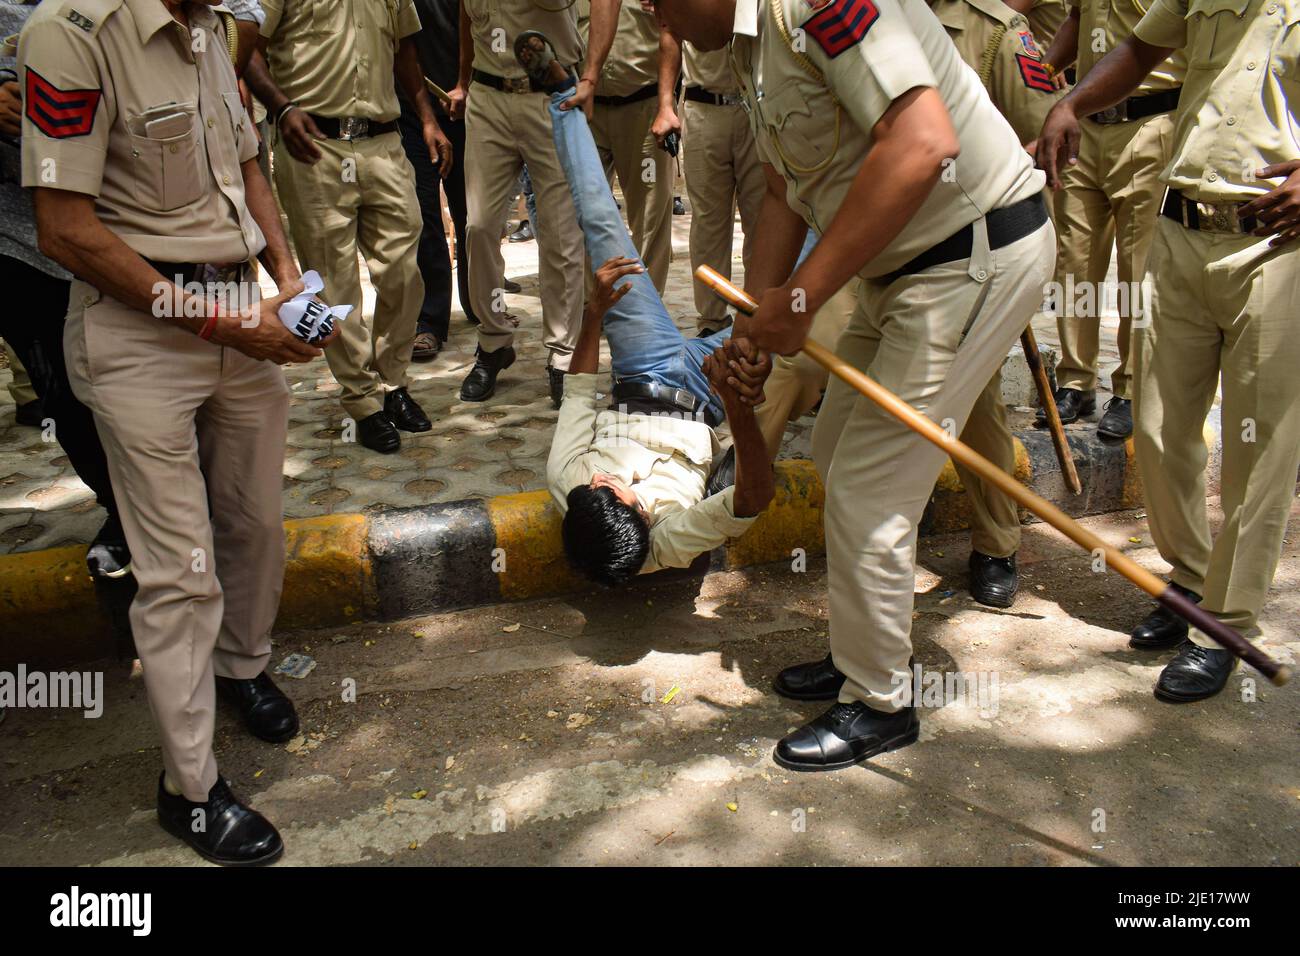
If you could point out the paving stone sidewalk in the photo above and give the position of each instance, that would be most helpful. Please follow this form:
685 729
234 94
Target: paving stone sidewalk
475 450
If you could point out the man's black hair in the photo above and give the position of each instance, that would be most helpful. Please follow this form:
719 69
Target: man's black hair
604 539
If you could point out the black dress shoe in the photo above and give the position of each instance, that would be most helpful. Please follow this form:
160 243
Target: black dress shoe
404 412
267 713
1195 674
377 433
230 833
679 207
481 382
724 475
846 734
816 680
1117 423
1162 628
511 286
523 234
31 414
108 555
993 581
555 378
1071 403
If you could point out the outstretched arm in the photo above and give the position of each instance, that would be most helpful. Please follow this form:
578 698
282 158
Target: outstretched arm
605 292
737 373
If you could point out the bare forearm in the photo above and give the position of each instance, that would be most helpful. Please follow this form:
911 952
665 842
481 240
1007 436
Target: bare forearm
258 77
670 67
604 23
410 77
1064 48
586 354
783 231
466 48
1115 76
276 257
755 485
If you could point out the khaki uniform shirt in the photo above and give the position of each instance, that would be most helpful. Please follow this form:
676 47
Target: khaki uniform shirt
1103 24
869 53
999 45
710 70
123 103
495 24
665 460
335 57
1045 18
1240 106
633 61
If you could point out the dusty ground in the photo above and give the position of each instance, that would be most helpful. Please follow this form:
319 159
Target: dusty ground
539 733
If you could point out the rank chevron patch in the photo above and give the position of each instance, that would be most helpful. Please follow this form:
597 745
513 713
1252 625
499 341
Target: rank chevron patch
60 114
840 24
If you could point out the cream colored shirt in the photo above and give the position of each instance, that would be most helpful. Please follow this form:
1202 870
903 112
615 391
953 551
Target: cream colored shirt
998 43
1045 18
665 461
633 61
335 57
1103 24
125 104
495 24
890 47
1239 107
710 70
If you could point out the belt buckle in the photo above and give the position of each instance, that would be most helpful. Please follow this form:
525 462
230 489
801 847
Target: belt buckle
683 399
1222 217
731 99
516 84
353 127
1109 115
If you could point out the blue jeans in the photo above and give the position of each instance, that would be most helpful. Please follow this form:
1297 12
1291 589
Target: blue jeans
644 342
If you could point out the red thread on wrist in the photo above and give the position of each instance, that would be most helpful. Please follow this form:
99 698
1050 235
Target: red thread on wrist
209 326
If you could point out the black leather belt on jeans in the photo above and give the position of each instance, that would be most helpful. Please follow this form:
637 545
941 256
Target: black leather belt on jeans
698 94
1005 226
1207 217
348 128
645 93
651 398
1138 107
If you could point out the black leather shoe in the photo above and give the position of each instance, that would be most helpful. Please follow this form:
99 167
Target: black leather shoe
993 581
1162 628
816 680
555 377
1071 404
1195 674
511 286
845 735
267 713
679 207
1117 423
724 475
481 382
31 414
523 234
377 433
108 555
230 833
404 412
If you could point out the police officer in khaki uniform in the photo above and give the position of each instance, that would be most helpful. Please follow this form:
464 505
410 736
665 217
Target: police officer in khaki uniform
507 125
1111 196
635 109
147 188
1045 17
347 186
1225 265
722 172
858 118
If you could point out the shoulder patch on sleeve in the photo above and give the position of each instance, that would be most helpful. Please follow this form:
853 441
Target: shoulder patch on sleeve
1027 43
839 24
59 114
1034 74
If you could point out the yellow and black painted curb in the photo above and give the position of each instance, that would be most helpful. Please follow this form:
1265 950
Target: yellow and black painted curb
392 564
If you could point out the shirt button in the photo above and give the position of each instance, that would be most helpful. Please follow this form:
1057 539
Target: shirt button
172 148
1250 65
981 275
1213 177
87 300
1232 121
225 180
211 123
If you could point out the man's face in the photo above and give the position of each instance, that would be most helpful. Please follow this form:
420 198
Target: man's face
621 491
705 24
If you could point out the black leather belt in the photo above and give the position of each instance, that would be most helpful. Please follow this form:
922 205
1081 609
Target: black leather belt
506 84
698 94
348 128
645 93
1207 217
1005 226
1138 107
652 398
183 273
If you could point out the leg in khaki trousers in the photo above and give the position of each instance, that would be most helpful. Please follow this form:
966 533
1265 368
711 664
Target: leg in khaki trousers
187 425
645 173
1222 309
503 131
360 196
935 339
723 173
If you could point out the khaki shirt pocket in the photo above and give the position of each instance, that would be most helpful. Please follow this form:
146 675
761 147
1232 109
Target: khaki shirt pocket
238 119
328 17
800 129
1286 56
167 169
1214 29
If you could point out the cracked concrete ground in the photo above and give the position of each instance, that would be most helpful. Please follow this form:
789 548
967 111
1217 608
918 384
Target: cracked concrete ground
636 728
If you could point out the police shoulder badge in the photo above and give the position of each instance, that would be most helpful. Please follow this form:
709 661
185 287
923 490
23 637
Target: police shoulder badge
1027 42
838 25
81 20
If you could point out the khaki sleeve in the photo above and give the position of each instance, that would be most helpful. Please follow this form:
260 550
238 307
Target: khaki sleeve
1020 85
68 107
867 51
1164 25
274 10
408 19
575 429
682 537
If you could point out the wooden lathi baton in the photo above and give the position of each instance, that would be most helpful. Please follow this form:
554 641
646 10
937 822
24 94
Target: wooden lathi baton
1165 594
437 91
1048 401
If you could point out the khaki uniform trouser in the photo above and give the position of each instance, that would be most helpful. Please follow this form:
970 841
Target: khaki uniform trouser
360 196
502 132
628 150
1223 309
187 425
934 339
796 385
723 172
1112 195
21 386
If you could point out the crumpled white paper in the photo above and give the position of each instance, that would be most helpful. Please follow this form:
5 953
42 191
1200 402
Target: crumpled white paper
306 316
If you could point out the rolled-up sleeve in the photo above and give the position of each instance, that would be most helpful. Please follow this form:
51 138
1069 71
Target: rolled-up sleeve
1164 24
272 11
683 536
408 19
575 430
